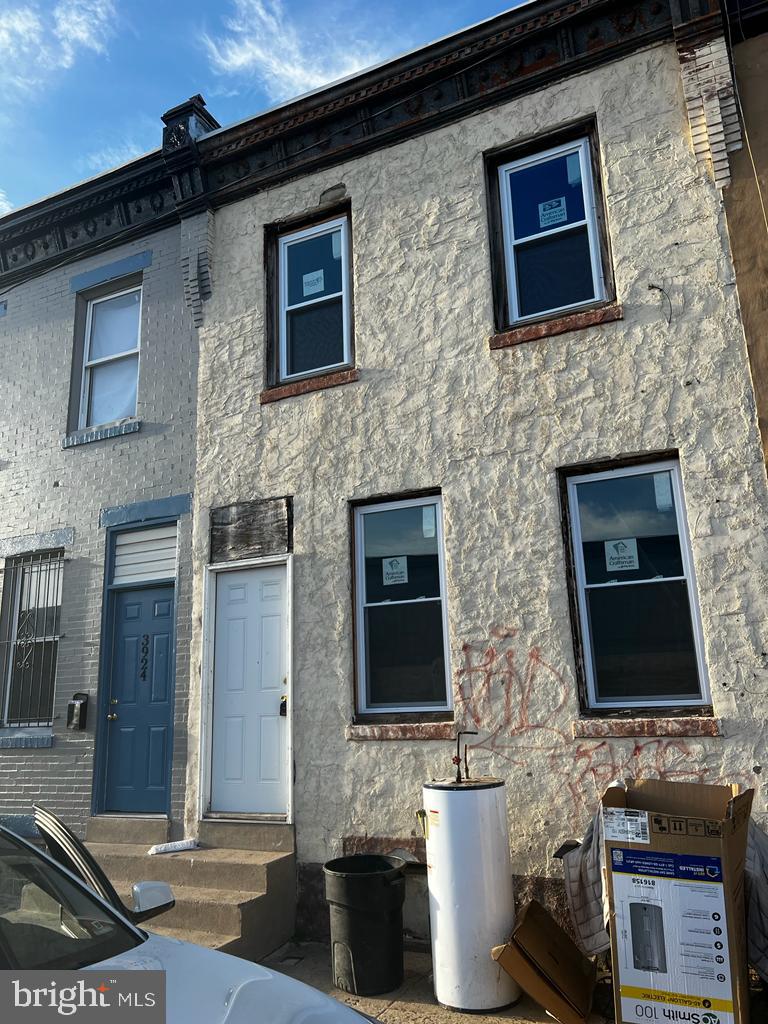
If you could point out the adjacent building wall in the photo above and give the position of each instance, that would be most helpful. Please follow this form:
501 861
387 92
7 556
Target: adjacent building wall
43 488
747 225
434 407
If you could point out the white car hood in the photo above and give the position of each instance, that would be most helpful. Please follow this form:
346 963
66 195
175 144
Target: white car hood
206 987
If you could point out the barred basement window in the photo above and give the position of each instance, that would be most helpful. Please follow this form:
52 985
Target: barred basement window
30 616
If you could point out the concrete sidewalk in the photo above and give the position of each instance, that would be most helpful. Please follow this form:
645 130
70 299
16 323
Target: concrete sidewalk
413 1003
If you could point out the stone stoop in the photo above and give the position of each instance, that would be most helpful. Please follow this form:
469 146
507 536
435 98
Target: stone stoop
231 894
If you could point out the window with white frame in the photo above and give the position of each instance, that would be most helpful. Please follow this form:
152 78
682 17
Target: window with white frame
636 593
111 358
30 615
402 635
551 241
314 295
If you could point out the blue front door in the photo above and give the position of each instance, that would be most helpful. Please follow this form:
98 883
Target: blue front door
140 712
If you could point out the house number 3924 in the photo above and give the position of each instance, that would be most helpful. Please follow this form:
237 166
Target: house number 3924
144 662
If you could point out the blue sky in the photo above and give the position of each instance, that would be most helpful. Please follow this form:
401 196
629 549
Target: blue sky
83 82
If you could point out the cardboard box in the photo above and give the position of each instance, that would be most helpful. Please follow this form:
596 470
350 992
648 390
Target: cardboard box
548 966
674 867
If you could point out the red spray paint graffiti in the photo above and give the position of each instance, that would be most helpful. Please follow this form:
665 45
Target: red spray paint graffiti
519 703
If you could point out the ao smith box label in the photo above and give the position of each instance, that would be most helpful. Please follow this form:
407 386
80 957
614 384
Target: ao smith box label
85 997
674 960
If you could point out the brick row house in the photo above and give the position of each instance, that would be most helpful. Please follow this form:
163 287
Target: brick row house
422 402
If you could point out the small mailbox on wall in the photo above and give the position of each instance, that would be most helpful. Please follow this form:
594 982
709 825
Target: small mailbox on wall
77 711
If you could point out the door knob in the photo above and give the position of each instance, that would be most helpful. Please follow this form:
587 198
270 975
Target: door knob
114 700
283 707
111 717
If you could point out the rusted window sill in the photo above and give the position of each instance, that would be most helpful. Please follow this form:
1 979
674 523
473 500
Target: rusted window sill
401 731
309 384
640 728
562 325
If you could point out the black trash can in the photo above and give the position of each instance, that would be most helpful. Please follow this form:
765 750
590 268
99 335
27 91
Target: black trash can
365 895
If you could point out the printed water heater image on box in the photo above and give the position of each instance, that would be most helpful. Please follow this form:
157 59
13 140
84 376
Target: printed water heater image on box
647 927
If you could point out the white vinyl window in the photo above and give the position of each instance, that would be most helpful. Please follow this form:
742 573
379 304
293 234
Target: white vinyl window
313 273
402 624
111 358
639 617
551 243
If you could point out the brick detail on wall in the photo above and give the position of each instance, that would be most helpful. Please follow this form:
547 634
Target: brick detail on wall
710 99
196 262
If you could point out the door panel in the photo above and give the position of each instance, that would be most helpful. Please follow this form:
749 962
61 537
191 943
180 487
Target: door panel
141 696
250 738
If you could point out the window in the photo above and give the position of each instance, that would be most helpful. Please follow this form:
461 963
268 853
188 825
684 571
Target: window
636 597
552 255
314 300
49 922
29 637
401 609
110 358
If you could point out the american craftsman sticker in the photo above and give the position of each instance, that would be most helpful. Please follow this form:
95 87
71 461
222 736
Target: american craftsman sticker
621 555
673 956
552 212
313 283
395 570
624 825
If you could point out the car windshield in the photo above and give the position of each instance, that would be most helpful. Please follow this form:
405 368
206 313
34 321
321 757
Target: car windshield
47 921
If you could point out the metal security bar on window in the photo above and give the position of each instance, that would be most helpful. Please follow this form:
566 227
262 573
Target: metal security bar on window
30 616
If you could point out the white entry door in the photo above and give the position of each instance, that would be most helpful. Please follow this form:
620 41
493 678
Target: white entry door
250 736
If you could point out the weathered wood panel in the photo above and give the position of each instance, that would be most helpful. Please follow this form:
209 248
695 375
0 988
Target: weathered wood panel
250 529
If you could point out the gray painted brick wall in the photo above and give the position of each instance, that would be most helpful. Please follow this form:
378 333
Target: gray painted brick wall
43 487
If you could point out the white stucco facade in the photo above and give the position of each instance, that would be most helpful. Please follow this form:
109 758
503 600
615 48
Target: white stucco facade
435 407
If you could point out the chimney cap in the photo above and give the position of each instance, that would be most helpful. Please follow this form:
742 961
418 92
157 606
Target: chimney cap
193 114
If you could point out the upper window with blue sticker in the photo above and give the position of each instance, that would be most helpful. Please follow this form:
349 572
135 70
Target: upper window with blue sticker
551 242
315 307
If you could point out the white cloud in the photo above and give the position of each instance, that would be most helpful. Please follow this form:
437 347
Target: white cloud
110 156
262 43
5 204
35 44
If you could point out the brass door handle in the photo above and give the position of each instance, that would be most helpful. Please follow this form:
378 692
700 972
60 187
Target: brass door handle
283 707
111 717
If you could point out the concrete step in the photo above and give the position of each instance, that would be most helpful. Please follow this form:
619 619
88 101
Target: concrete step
117 828
240 870
231 834
222 911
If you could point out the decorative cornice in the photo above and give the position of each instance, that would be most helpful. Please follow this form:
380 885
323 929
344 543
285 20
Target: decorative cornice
517 52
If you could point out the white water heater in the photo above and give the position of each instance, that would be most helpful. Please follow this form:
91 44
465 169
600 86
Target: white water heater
471 899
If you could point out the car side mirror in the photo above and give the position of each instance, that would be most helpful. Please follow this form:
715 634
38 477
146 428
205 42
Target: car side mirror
151 899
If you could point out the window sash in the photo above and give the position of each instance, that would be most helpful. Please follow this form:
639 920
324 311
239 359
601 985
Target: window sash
511 244
89 364
47 569
284 243
361 606
582 587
